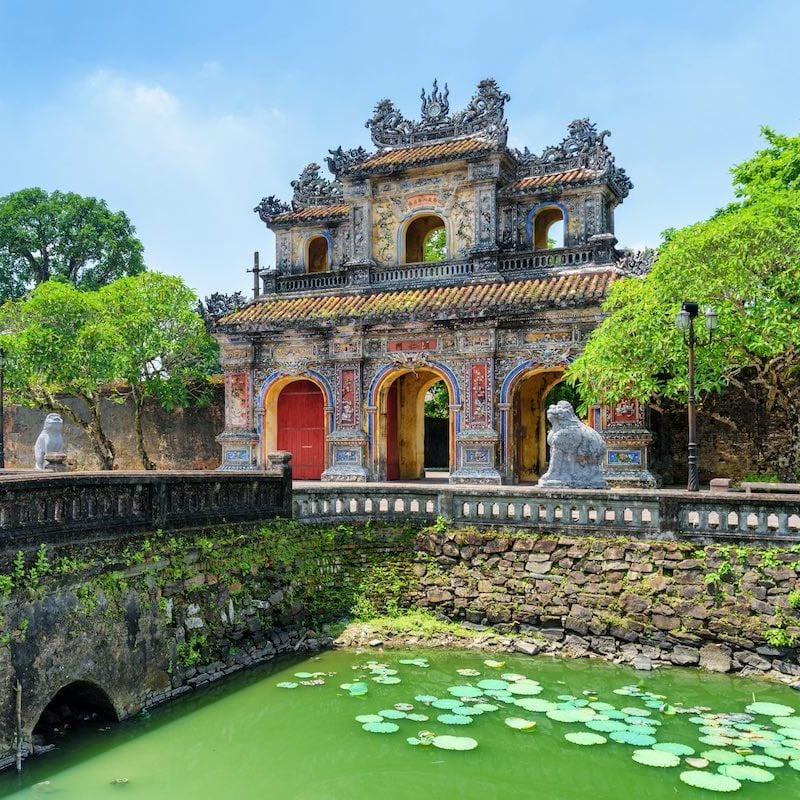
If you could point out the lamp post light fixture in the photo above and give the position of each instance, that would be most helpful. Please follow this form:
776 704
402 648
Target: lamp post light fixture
685 322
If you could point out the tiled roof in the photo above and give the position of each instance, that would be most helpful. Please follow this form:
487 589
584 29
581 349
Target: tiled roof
311 213
421 154
556 179
438 302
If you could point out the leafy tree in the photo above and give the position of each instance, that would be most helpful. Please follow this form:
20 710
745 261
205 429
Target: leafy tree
745 263
168 353
435 245
63 235
58 341
437 401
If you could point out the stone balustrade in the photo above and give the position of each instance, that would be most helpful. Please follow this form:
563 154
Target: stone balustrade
646 514
48 507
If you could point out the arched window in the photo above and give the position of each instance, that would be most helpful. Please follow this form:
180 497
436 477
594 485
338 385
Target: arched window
548 228
426 239
318 258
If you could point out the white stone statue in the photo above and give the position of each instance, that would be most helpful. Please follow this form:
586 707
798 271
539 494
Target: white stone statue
576 452
51 439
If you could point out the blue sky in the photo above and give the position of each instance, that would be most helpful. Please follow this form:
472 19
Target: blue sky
184 114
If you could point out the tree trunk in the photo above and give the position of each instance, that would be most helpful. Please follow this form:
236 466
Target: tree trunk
138 407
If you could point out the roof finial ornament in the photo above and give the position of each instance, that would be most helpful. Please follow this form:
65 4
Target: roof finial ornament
435 106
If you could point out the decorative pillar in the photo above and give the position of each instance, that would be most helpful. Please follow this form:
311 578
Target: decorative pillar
347 444
239 439
628 443
477 440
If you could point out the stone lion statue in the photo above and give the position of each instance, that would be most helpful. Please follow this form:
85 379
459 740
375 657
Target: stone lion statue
576 452
51 439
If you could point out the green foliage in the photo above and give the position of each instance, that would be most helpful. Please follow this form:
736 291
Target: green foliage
63 236
761 477
437 401
383 590
745 263
794 598
779 637
435 245
139 332
190 653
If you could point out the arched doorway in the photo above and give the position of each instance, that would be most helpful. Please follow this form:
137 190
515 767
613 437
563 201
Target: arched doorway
300 424
403 449
548 228
318 256
529 404
77 705
425 239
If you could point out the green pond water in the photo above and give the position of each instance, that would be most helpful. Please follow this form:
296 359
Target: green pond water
250 738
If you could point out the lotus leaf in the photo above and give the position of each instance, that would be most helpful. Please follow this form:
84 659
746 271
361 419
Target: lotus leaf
781 752
787 722
789 733
520 724
304 675
490 662
288 685
676 748
392 713
795 764
770 709
494 686
636 739
722 757
584 738
632 711
454 719
764 761
710 780
534 704
381 727
571 714
426 698
468 673
602 707
605 725
697 763
404 706
512 676
525 687
413 740
716 741
363 718
455 743
655 758
446 703
743 772
388 679
417 717
465 691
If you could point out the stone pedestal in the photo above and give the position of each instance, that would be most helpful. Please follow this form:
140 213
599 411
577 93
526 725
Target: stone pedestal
628 446
476 458
347 451
54 462
239 450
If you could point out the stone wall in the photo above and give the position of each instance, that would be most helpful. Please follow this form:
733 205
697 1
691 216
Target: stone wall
179 439
725 608
148 618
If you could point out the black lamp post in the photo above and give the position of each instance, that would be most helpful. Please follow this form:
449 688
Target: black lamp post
685 321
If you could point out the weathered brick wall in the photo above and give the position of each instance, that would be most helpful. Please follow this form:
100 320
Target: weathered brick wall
178 439
675 602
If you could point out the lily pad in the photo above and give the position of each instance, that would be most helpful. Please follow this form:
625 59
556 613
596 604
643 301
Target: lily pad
632 711
304 675
381 727
512 677
744 772
364 718
468 673
656 758
676 748
770 709
358 689
585 738
404 706
571 714
465 691
446 703
454 719
414 662
288 685
387 679
785 753
392 713
490 662
606 725
722 757
455 743
417 717
601 707
716 741
426 698
697 763
795 764
535 704
710 780
764 761
787 722
520 724
525 687
413 740
494 686
636 739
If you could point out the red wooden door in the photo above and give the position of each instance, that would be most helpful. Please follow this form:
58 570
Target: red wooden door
301 428
392 450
